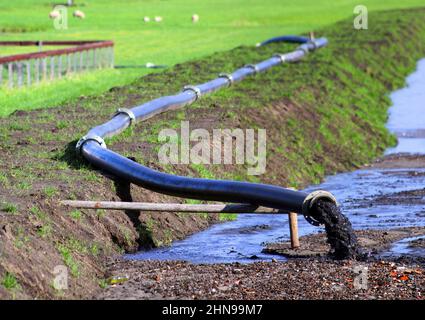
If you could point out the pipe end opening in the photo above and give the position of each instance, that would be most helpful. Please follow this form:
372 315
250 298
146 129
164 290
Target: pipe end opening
311 200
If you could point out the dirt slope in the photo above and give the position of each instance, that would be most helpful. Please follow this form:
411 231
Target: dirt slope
323 115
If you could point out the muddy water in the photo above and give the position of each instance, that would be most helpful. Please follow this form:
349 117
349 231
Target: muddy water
404 247
366 197
407 118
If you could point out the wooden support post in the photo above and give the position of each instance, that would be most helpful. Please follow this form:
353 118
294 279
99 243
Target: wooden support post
174 207
293 230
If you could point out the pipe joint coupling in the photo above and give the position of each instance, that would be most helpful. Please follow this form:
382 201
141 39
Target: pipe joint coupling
304 48
227 76
87 138
281 57
310 200
253 67
314 44
127 112
194 89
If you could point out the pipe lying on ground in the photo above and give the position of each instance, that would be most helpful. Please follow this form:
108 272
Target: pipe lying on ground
288 39
93 148
172 207
191 208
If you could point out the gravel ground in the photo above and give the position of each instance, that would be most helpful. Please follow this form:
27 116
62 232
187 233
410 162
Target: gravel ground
295 279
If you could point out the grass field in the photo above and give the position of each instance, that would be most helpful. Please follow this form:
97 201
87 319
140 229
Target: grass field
223 25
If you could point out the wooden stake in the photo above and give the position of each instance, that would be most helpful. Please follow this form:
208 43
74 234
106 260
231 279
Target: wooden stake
293 230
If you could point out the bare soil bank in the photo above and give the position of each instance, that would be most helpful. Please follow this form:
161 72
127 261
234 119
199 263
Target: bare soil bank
323 115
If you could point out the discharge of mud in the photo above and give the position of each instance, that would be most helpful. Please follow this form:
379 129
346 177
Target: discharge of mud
340 233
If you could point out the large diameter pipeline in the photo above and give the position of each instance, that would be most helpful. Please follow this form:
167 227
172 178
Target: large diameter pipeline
195 188
93 148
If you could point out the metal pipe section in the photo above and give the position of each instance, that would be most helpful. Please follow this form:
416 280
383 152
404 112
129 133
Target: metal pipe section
92 147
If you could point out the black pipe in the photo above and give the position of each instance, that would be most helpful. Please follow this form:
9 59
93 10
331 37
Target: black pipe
93 148
288 39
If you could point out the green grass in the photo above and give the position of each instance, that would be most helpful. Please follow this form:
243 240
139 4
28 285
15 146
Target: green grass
50 191
223 25
44 231
76 214
3 179
9 281
69 260
10 208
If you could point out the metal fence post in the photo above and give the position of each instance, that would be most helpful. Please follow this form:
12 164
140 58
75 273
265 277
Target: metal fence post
19 67
31 68
10 67
112 57
81 61
100 58
102 61
94 58
44 68
68 64
37 71
87 61
52 68
28 67
75 58
59 66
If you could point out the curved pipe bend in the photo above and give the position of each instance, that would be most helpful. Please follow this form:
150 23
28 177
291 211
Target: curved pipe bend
287 39
93 148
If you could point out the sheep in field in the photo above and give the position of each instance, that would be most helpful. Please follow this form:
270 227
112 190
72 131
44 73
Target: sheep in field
54 14
195 18
79 14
